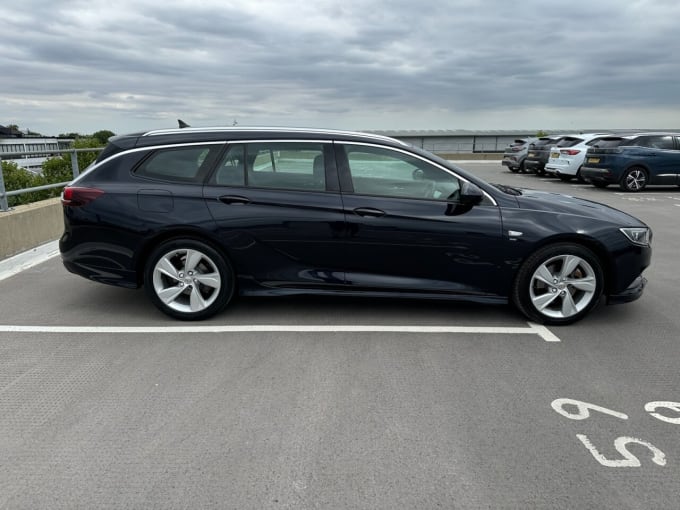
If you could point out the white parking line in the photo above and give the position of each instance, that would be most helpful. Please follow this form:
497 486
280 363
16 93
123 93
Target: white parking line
22 261
533 329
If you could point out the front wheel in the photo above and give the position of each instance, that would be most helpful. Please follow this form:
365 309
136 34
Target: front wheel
634 179
188 279
559 284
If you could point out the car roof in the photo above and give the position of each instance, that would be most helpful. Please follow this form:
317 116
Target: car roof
218 133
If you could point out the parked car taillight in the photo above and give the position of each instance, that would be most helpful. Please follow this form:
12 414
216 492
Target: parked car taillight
571 152
77 197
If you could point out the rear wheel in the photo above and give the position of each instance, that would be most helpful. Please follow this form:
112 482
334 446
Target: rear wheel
188 279
634 179
559 284
579 177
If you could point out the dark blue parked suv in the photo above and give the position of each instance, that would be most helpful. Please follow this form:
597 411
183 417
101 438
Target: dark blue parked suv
634 161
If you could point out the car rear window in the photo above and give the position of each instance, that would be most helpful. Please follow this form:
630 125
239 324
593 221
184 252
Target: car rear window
568 141
543 141
176 164
609 142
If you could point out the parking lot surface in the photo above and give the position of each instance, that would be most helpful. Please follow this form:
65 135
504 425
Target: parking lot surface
342 403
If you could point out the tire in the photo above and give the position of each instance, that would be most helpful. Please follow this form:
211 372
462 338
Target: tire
634 179
558 284
579 177
540 171
189 280
513 169
599 184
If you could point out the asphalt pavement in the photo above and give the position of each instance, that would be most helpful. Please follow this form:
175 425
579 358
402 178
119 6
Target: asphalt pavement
342 403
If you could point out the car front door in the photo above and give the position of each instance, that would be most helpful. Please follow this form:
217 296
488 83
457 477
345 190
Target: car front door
278 213
407 229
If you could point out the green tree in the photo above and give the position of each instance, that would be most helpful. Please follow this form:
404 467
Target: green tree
59 169
56 170
85 159
18 178
103 136
541 133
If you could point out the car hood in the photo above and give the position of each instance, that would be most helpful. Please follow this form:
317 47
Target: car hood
567 204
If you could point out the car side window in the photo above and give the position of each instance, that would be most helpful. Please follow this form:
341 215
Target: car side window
231 169
656 142
286 165
180 164
384 172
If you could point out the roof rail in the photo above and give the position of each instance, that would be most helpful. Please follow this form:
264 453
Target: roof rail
157 132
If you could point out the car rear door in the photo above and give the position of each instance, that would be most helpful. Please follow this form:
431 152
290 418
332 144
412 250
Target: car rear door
278 212
661 158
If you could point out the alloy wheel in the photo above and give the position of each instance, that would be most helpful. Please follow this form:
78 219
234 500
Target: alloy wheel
186 280
563 286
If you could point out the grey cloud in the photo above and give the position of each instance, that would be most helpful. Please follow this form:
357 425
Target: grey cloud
218 60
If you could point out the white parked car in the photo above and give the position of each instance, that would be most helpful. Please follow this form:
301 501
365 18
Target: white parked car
568 155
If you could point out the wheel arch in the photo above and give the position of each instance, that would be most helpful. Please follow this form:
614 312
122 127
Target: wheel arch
590 243
177 233
636 163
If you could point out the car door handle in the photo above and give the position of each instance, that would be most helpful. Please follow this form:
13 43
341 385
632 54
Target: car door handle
368 211
234 200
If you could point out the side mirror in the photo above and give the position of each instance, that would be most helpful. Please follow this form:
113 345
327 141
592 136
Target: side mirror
470 194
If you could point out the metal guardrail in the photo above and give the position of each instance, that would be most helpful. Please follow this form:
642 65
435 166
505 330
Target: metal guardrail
4 206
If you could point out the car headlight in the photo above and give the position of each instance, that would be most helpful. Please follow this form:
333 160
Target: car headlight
638 235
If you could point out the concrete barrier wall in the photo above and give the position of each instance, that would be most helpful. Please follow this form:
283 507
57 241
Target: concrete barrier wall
28 226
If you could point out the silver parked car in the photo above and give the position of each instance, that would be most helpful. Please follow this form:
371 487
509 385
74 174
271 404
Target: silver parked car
516 153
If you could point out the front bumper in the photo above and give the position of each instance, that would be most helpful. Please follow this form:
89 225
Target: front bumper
633 292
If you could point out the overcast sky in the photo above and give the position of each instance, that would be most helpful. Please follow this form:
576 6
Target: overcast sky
126 65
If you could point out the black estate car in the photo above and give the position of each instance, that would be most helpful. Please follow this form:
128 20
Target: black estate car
197 216
634 161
